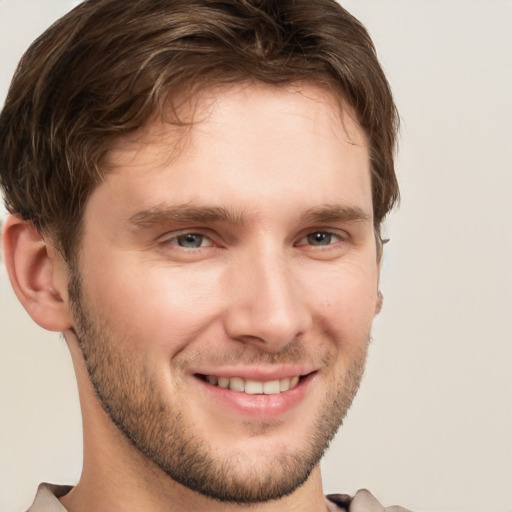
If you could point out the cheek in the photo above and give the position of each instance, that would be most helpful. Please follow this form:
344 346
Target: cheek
155 307
345 298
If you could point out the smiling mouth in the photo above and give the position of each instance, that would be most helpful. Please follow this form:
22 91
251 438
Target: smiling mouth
253 387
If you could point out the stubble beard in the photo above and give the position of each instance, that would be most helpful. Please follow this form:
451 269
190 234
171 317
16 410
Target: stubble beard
129 394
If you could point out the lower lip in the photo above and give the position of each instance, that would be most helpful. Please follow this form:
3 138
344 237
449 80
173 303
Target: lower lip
258 406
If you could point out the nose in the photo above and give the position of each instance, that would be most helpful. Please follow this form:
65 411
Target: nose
268 306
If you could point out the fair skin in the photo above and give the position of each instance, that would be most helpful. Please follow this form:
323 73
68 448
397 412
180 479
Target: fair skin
247 253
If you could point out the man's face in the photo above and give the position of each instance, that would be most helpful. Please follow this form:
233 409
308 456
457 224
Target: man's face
226 287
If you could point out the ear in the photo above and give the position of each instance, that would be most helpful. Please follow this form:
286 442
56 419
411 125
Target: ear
38 274
380 251
380 300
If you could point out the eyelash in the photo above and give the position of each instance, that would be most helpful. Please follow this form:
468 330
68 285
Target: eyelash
324 235
176 238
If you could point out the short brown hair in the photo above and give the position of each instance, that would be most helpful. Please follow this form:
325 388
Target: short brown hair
106 67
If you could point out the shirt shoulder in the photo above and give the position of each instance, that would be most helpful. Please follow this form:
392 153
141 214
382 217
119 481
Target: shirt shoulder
47 498
363 501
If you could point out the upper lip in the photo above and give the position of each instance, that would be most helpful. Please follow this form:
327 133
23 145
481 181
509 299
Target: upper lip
258 373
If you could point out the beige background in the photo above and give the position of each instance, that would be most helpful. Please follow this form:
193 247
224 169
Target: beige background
432 426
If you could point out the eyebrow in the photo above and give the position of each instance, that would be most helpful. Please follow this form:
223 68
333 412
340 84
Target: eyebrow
187 213
336 213
184 213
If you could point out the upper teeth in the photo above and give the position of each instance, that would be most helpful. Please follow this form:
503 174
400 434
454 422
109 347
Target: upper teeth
254 387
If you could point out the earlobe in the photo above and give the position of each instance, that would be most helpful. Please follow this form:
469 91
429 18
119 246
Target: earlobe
38 274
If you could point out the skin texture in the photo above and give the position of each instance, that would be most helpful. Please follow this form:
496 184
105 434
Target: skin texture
241 246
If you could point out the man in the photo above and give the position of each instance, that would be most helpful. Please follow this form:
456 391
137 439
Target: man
196 190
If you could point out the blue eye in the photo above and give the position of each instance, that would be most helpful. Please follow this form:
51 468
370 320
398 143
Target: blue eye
319 238
190 241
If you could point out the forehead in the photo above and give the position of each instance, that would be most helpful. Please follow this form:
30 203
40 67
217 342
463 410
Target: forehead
251 142
169 131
